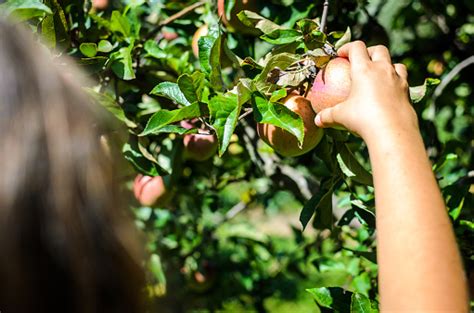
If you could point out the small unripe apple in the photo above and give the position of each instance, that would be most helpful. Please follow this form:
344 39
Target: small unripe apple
100 4
331 86
201 31
150 190
285 143
233 23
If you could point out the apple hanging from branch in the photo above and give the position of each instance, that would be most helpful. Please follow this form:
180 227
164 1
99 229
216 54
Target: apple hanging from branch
331 86
150 191
283 142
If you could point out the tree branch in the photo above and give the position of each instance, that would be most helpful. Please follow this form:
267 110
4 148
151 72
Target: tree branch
325 16
451 75
174 17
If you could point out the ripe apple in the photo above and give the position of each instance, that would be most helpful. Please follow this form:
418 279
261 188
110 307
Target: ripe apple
100 4
198 147
233 24
331 85
284 142
150 190
201 31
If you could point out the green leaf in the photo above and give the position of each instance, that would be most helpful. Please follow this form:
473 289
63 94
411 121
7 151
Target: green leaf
252 19
322 296
132 153
175 129
24 9
331 278
119 24
192 86
282 36
344 39
351 167
417 93
122 63
277 114
278 95
165 117
215 76
152 48
105 46
89 49
281 61
205 44
360 304
321 205
54 28
171 91
307 26
224 110
111 105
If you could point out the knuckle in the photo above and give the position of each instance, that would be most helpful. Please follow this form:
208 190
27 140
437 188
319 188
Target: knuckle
381 48
358 44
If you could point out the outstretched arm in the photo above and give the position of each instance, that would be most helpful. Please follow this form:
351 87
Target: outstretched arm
420 268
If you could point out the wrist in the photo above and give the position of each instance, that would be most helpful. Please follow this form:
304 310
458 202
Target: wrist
392 135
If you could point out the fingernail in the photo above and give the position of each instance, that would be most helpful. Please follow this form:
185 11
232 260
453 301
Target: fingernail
317 120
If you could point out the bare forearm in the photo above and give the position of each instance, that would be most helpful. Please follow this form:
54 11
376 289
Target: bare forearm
420 267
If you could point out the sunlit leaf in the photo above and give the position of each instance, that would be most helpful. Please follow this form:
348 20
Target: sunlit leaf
417 93
224 110
165 117
89 49
171 91
267 112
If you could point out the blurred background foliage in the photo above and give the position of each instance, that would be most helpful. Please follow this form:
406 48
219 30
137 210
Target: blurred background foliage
230 239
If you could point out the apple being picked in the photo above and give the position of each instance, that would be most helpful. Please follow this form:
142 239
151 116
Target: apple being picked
198 147
151 191
331 86
285 143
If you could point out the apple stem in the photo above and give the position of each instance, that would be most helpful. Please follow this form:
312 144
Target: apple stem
325 16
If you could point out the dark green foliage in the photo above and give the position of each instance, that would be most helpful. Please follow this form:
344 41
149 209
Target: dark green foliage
151 83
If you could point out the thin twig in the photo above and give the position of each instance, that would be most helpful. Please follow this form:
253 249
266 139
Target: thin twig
174 17
236 209
325 16
247 112
452 74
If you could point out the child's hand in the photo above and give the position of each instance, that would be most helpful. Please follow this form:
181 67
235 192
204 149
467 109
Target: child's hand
379 94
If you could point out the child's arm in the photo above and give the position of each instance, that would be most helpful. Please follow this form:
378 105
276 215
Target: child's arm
420 268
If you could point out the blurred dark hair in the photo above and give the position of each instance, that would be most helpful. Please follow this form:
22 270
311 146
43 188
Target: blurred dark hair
66 243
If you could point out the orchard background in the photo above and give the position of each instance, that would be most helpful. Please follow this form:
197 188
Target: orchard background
227 233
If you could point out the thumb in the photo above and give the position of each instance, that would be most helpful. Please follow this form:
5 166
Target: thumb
329 117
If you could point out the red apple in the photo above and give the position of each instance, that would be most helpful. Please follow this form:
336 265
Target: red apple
100 4
284 142
151 191
198 147
331 86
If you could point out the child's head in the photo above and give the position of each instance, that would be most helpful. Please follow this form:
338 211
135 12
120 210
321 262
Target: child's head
66 244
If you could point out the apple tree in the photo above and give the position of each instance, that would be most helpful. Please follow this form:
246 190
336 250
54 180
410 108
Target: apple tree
214 109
